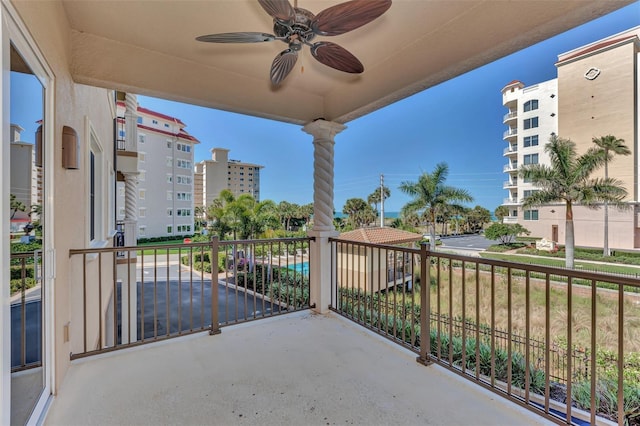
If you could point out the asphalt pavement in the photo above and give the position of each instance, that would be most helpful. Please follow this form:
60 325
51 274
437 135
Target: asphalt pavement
474 242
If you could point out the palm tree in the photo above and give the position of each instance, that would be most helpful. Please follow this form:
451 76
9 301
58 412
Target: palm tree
431 195
610 145
567 179
501 212
16 205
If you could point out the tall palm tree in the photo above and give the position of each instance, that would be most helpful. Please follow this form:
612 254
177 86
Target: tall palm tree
16 205
567 179
431 195
611 146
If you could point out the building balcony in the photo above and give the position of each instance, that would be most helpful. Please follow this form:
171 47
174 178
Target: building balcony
510 116
510 150
510 134
510 167
509 184
355 363
510 219
510 201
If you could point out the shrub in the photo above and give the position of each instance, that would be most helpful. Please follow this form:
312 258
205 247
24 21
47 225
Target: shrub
16 272
16 285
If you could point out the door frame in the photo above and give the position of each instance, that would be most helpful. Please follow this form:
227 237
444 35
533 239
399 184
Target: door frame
14 31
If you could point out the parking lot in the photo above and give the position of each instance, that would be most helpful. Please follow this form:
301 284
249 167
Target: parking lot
467 242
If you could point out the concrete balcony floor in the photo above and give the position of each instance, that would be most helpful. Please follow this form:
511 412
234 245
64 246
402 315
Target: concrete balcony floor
298 369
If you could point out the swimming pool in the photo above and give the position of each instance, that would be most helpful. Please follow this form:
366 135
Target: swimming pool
302 267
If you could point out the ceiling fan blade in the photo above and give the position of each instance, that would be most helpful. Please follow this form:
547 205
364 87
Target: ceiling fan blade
348 16
337 57
246 37
279 9
282 65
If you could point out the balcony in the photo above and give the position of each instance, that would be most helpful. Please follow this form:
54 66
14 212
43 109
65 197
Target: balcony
510 167
304 368
510 219
510 134
509 184
510 201
510 150
510 116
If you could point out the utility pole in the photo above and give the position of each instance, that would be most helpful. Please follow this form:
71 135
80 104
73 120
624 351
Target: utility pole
381 200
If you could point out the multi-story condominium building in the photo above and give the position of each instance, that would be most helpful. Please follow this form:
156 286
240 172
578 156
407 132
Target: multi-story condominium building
595 94
26 177
165 175
212 176
532 118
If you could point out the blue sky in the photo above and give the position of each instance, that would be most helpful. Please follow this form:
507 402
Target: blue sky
458 122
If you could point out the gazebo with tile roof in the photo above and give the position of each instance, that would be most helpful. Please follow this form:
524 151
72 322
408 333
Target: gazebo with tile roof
375 270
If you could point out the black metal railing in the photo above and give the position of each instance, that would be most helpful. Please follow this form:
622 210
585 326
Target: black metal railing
563 343
26 310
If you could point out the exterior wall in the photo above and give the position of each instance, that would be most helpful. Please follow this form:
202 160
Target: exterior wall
588 226
75 106
606 105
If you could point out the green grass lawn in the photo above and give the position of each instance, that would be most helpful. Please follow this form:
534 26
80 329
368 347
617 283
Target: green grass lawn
585 266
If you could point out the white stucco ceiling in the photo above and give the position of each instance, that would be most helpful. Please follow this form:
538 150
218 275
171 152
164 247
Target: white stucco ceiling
149 47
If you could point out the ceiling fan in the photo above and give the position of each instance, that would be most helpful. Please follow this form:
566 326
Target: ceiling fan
296 26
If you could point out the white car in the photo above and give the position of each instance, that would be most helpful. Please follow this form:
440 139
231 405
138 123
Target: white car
428 237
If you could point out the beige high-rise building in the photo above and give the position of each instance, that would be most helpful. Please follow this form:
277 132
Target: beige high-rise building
212 176
598 92
165 183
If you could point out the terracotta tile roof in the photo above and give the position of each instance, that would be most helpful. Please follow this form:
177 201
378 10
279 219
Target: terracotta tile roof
380 236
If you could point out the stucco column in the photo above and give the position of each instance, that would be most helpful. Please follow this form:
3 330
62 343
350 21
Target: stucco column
131 121
320 272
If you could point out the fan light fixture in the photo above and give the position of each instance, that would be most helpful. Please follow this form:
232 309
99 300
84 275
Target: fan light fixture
296 27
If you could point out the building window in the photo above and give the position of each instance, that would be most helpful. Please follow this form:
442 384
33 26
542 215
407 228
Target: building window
142 194
166 125
531 105
141 175
142 138
169 162
154 121
169 212
169 143
531 123
169 229
531 159
531 215
142 157
169 195
142 212
530 141
529 192
92 195
139 120
142 231
169 178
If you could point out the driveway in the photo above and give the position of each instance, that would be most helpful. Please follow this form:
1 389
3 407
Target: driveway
467 242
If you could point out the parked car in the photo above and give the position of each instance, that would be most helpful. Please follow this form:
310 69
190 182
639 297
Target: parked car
428 237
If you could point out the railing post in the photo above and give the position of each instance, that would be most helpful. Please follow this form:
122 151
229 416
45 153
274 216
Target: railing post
215 325
425 308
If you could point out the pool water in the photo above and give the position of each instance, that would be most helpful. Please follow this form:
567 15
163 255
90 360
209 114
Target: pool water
300 267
